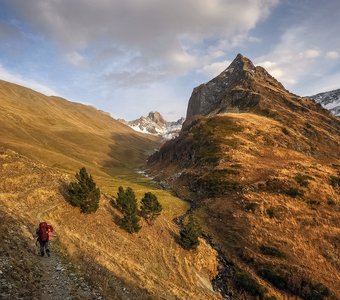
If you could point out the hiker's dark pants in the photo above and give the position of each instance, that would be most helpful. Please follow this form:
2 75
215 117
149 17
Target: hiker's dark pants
44 247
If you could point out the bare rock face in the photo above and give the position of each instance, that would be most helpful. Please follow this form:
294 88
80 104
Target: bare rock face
157 118
234 90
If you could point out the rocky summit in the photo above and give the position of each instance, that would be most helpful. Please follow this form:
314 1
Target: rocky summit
240 81
260 167
155 124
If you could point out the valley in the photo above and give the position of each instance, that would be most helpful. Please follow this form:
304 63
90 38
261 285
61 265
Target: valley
257 165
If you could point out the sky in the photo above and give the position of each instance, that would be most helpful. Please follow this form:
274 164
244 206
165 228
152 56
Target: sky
130 57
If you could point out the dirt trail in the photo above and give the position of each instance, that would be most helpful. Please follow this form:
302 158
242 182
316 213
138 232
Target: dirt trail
59 282
60 279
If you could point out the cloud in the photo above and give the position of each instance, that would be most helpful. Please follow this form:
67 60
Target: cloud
18 79
332 55
310 53
170 34
301 60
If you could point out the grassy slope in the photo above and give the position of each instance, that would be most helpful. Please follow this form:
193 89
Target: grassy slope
68 135
238 169
64 136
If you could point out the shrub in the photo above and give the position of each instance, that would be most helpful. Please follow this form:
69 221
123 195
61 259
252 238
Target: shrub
150 208
294 192
330 201
190 233
313 291
247 283
237 166
303 180
272 251
285 131
278 212
334 181
251 206
215 183
270 212
313 202
84 193
281 278
276 275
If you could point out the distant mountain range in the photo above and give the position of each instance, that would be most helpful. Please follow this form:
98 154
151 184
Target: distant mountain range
155 124
329 100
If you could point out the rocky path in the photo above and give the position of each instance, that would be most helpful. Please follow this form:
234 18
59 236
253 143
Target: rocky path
59 281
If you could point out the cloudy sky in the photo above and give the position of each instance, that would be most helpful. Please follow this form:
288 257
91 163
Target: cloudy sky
129 57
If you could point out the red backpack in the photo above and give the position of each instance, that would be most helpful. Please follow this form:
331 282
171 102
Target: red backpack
43 232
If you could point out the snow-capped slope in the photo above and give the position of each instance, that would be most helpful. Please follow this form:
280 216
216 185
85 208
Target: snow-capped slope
155 124
329 100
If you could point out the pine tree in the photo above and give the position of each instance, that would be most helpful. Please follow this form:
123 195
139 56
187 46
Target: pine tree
130 221
121 199
190 233
150 208
84 192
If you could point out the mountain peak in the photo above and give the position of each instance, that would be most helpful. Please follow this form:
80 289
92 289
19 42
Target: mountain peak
155 124
242 63
235 89
156 117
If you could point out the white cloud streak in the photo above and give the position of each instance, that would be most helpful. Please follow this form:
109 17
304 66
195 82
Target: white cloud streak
18 79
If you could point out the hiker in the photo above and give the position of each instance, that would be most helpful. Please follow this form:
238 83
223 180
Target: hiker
44 233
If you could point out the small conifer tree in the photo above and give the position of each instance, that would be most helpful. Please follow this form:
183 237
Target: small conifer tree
150 208
121 199
190 233
84 192
130 221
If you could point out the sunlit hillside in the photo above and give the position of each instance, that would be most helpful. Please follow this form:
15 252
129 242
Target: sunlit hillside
68 135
